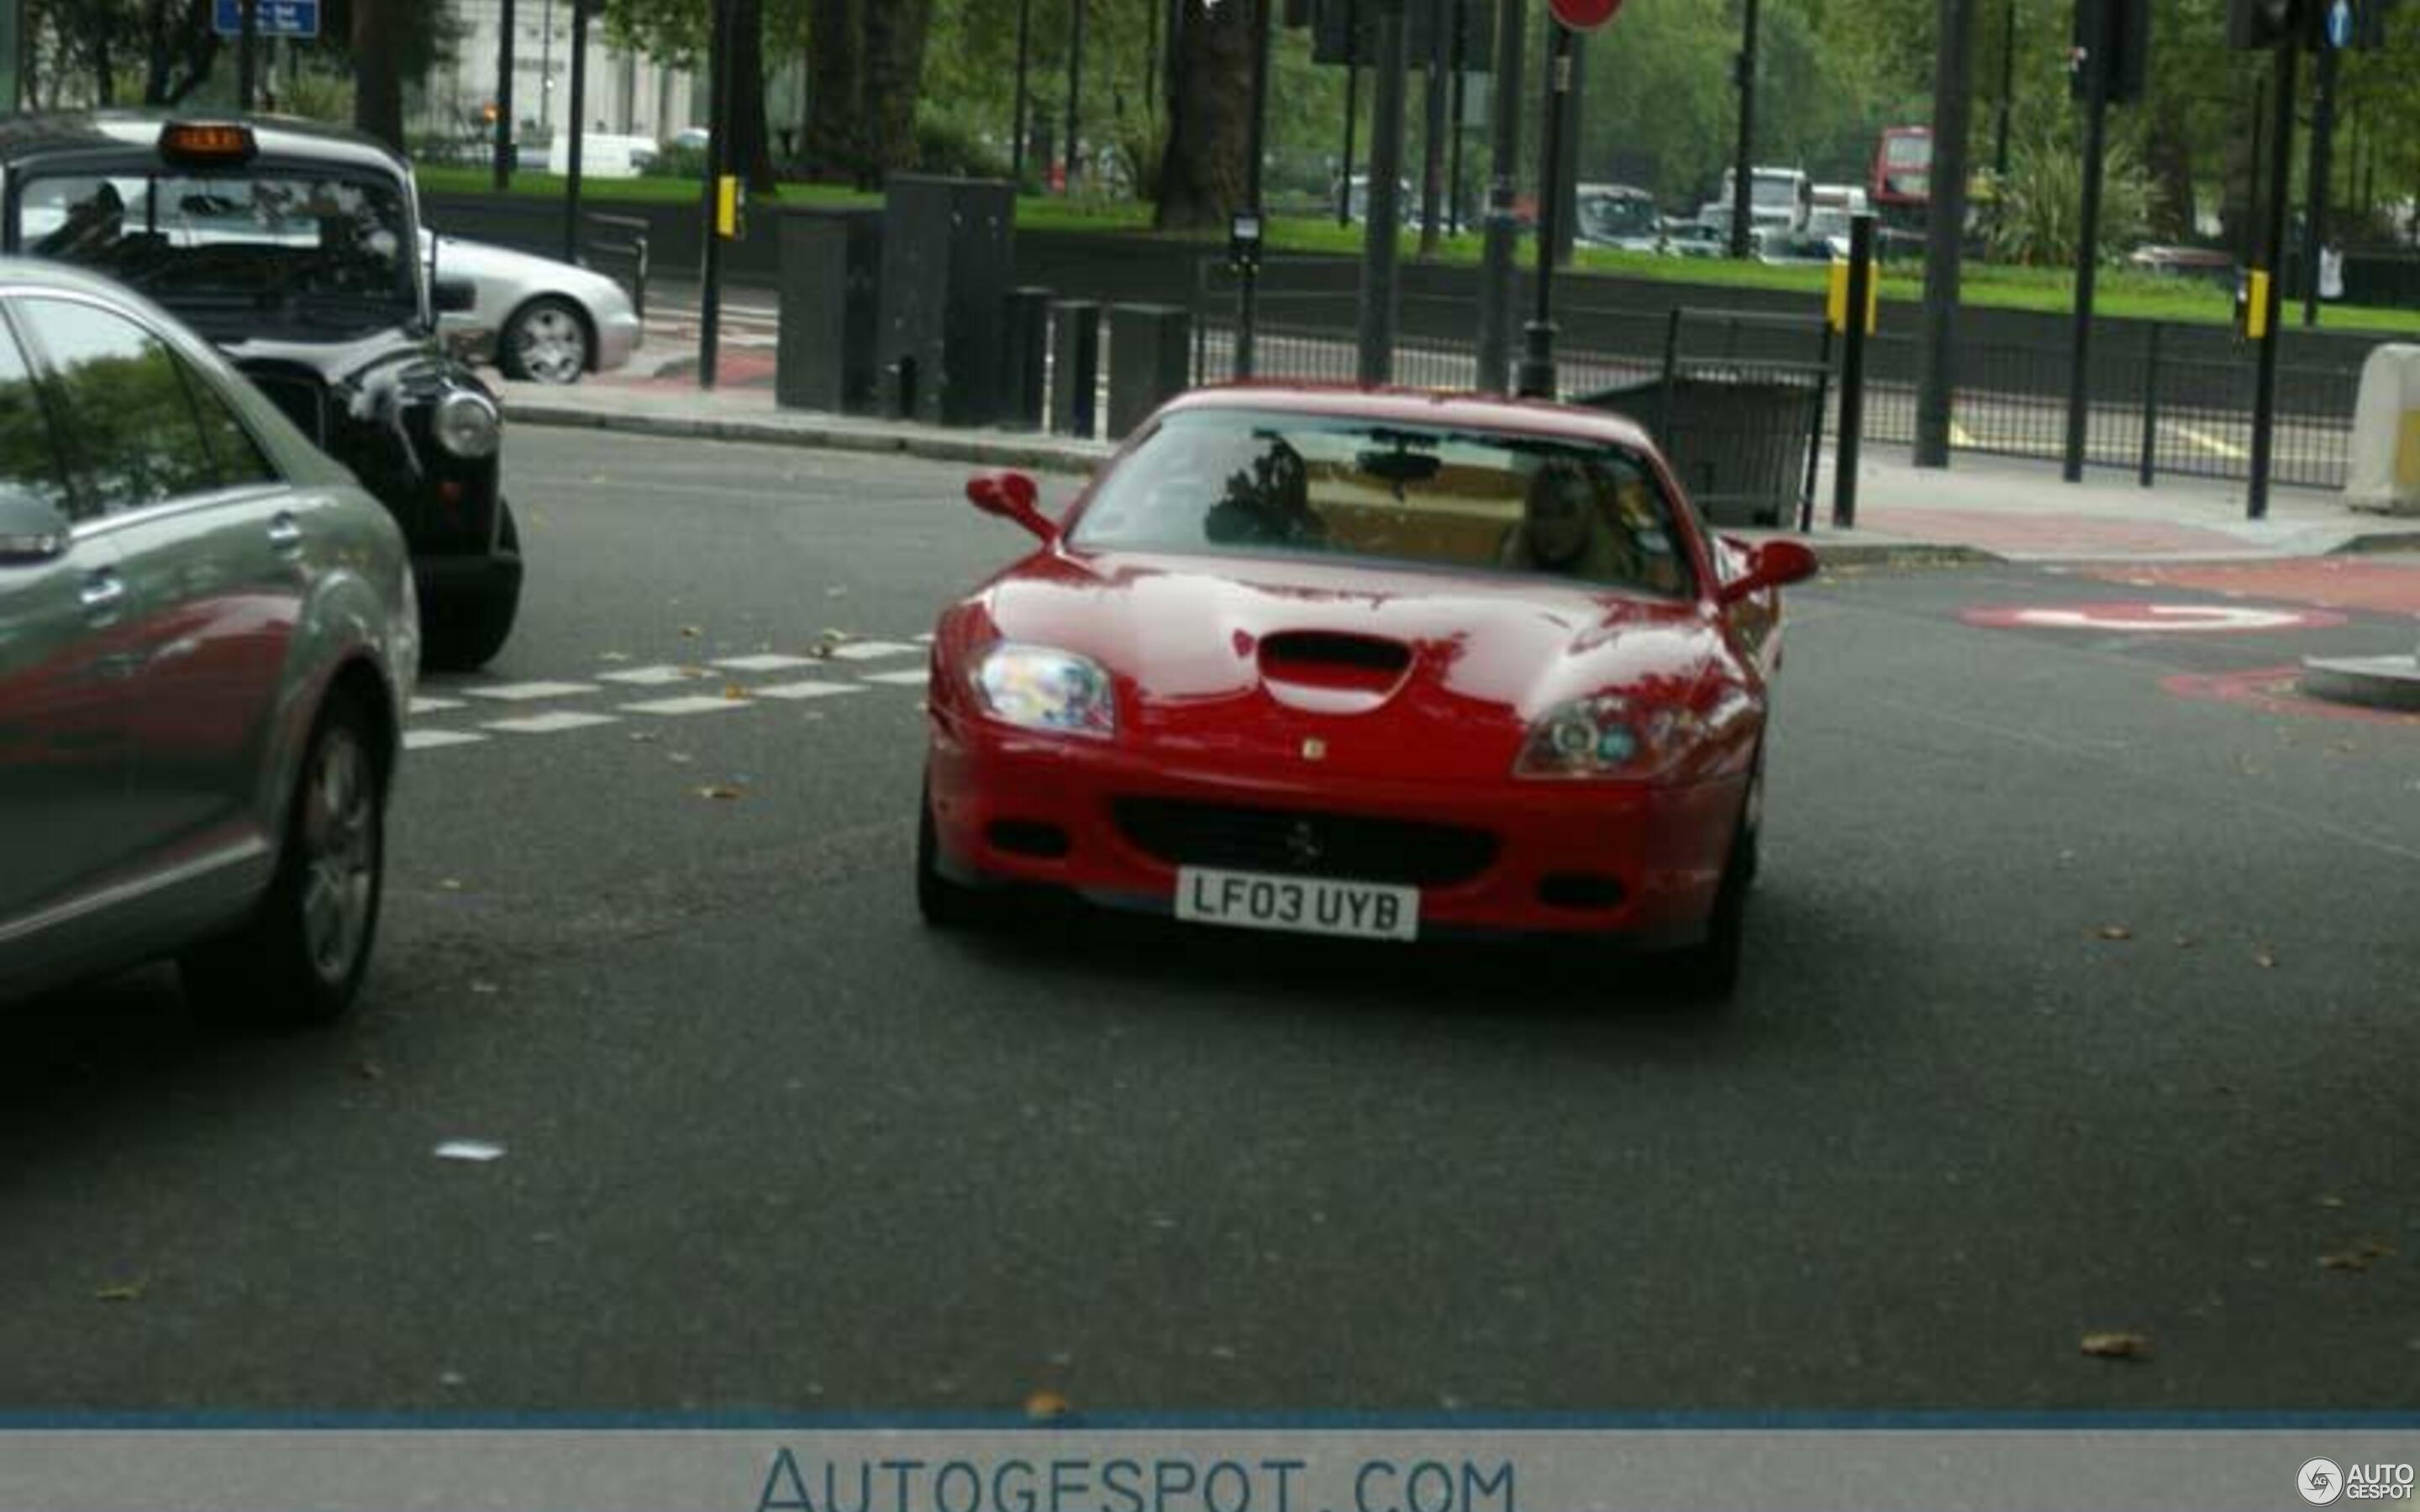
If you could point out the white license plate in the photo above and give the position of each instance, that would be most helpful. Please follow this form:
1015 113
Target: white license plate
1304 906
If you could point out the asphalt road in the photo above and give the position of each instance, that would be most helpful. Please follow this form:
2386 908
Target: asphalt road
2074 1004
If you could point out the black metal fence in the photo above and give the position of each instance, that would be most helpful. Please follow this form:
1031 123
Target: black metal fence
2162 398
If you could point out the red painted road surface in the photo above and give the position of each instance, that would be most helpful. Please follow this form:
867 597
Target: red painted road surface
2272 691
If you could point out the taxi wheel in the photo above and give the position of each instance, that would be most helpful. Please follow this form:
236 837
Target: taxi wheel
462 632
546 341
301 957
944 904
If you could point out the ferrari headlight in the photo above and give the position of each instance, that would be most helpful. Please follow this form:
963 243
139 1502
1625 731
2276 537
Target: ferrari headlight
466 425
1035 688
1607 736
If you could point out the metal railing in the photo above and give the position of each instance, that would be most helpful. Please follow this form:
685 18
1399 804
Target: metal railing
626 243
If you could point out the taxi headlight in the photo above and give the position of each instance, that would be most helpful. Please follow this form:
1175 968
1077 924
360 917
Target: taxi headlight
1607 736
467 424
1035 688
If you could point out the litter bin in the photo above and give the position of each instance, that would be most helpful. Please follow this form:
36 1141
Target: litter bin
1741 440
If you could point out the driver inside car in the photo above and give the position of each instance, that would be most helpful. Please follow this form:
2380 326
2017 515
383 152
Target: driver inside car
1268 503
1570 527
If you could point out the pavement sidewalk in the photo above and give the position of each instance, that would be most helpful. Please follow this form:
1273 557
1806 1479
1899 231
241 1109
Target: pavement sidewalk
1979 509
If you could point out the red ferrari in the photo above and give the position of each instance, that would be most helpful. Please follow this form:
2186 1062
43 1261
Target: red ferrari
1373 664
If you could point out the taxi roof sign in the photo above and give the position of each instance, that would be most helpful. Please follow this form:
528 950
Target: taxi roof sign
207 141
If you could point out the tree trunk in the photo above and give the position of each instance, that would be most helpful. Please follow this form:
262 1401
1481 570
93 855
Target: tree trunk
2169 150
833 145
750 151
377 80
178 33
894 66
1202 179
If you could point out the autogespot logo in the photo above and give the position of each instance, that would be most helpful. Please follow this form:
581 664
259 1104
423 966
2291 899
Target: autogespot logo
2320 1482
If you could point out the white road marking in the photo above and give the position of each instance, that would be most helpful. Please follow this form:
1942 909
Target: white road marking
548 724
770 662
528 692
873 650
2208 442
803 690
914 679
924 639
438 739
652 676
421 705
686 706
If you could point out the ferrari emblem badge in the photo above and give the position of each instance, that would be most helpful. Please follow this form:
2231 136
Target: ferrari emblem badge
1314 749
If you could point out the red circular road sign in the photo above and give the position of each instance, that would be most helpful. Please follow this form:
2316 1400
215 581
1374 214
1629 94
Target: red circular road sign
1584 15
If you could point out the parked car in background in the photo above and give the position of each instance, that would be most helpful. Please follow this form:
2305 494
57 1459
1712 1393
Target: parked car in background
295 248
1775 245
537 319
2212 263
207 646
1693 238
1620 216
602 155
1777 196
1357 201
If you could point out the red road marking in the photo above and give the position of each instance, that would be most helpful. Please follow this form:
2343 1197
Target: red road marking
2271 690
2130 618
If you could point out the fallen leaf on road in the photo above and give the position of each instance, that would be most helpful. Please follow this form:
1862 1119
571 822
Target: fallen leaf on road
678 758
448 884
641 737
2331 1200
2264 958
478 1151
613 655
2184 942
485 989
368 1071
121 1292
2116 932
690 632
835 593
1046 1406
2351 1259
694 673
2117 1345
722 792
735 693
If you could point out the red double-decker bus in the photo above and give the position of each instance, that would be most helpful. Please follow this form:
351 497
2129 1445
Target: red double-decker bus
1902 179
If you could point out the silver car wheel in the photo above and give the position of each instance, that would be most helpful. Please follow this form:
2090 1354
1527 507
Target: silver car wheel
548 344
339 836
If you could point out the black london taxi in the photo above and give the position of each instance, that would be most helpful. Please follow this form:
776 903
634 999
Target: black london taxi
294 248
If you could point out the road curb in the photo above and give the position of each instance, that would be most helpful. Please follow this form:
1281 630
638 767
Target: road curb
979 448
2374 542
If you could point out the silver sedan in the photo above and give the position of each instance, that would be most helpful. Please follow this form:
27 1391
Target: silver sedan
209 639
539 319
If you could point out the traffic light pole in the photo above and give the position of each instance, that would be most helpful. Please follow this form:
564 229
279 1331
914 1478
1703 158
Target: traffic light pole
2314 223
2271 295
2087 252
503 160
579 130
718 161
1538 380
1381 231
1500 281
1743 168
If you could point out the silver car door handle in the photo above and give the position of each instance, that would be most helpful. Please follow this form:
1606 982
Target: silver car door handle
285 535
101 594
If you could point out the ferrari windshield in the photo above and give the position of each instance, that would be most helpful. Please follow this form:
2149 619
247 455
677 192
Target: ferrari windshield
247 249
1230 482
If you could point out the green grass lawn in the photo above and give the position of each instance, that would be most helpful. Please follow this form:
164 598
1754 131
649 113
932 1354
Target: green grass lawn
2119 294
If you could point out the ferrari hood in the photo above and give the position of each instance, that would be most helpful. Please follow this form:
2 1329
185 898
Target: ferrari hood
1234 657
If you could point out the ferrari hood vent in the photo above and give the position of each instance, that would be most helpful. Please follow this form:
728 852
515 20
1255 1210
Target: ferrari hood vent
1329 658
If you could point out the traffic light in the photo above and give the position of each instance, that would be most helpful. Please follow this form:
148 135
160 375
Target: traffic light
2119 33
2261 24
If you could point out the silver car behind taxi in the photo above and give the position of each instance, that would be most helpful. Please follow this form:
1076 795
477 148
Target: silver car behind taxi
538 320
207 646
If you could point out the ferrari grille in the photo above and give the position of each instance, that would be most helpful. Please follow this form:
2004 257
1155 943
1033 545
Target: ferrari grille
1293 842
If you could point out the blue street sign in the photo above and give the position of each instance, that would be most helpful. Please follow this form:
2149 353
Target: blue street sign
269 18
2340 24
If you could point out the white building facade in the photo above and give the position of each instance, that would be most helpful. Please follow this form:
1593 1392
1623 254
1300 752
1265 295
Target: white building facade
628 95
